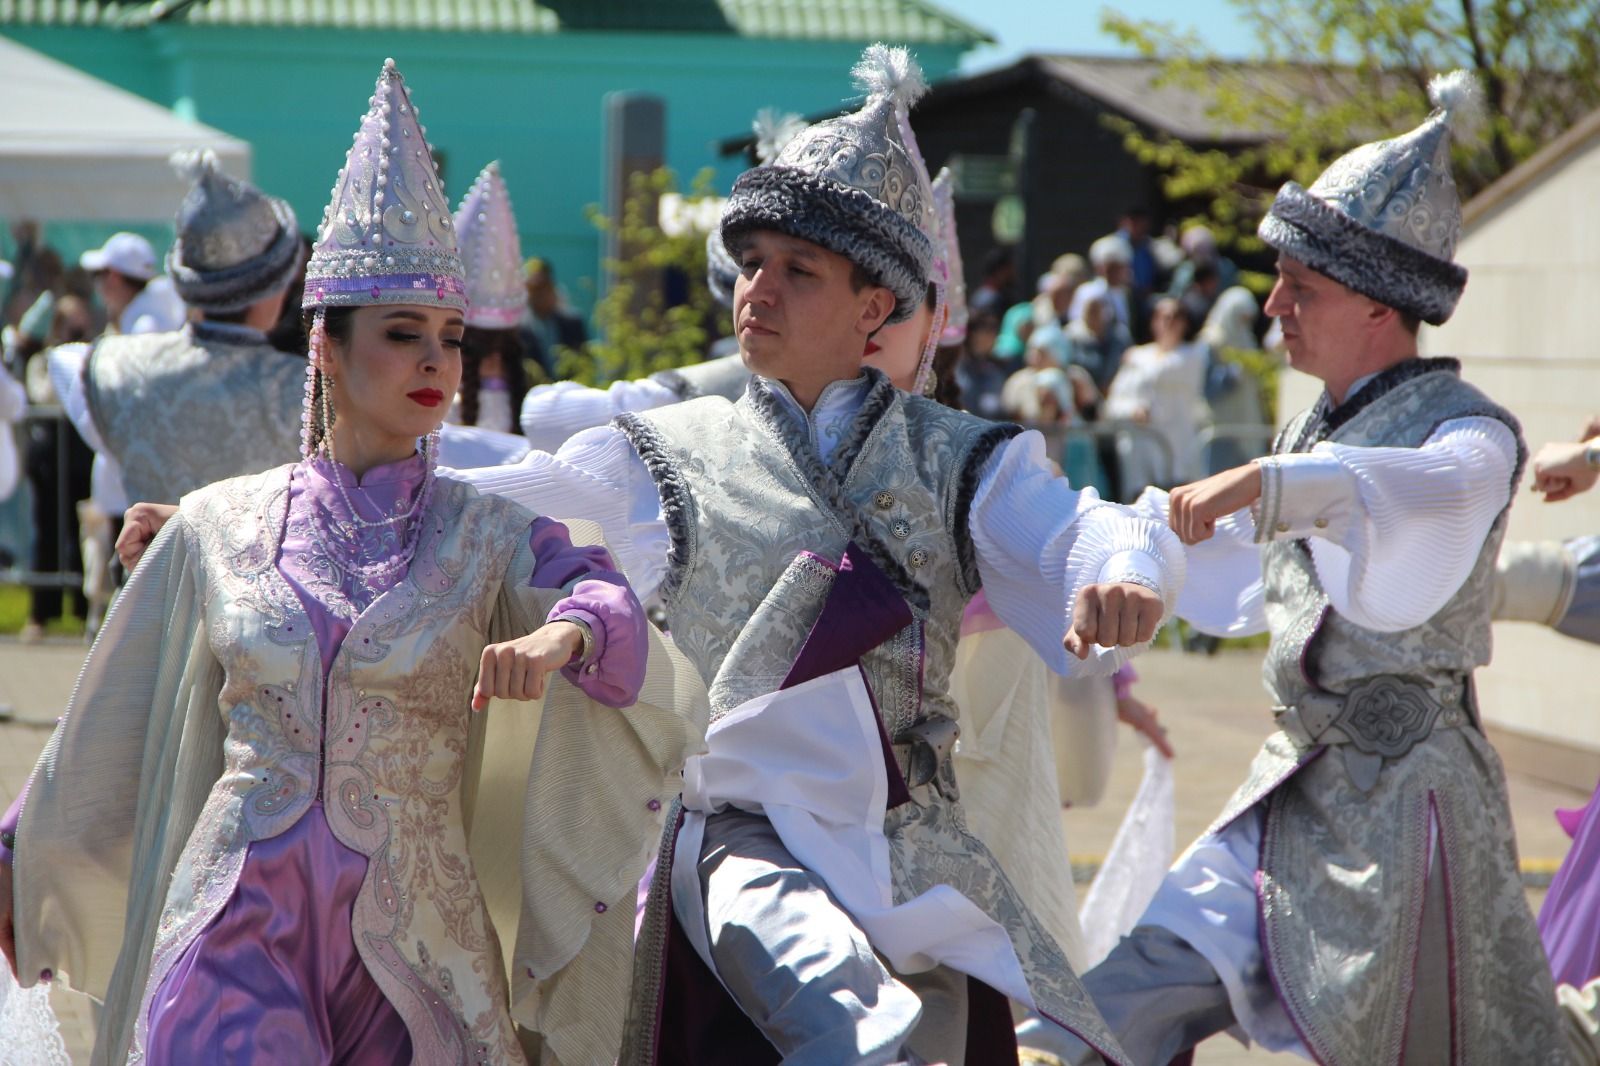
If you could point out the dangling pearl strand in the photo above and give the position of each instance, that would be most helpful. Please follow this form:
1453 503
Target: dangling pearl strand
314 445
926 381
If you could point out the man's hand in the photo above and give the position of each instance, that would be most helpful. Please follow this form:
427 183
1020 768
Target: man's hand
1591 428
1561 471
516 670
140 524
1115 614
1142 718
1195 509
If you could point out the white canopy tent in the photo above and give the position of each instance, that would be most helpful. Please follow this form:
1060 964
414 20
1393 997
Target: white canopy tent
76 149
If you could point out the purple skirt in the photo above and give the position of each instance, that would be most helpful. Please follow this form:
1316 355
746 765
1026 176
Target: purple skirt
1569 921
275 978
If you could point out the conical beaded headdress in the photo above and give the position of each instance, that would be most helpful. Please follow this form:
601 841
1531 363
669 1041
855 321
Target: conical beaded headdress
491 252
1384 218
387 236
853 184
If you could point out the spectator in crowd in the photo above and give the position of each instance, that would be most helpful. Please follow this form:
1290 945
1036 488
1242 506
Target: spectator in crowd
1016 330
1057 288
1096 342
980 375
1199 246
1111 259
136 299
1233 395
1144 268
1161 385
1205 285
548 324
996 290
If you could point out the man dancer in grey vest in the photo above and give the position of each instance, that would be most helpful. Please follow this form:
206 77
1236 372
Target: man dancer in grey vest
212 400
814 545
1358 900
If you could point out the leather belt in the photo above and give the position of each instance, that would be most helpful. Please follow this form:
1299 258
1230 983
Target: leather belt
1383 717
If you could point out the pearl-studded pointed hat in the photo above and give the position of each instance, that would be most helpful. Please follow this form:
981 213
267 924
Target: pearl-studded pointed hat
854 184
1384 218
387 237
491 252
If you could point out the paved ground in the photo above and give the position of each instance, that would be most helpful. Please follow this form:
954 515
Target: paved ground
1213 707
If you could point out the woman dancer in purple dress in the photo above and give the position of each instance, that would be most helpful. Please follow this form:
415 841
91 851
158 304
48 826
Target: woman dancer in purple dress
295 879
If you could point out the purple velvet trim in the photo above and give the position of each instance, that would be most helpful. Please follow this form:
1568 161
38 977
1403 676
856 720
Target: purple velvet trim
991 1033
386 288
863 609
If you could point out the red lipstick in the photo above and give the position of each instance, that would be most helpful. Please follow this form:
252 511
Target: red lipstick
427 397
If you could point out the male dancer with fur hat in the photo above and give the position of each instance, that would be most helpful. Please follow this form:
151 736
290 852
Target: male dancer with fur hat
1358 900
818 898
211 400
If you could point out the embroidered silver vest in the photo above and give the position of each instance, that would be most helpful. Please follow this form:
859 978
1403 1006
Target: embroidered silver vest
753 513
388 742
181 410
1347 838
755 516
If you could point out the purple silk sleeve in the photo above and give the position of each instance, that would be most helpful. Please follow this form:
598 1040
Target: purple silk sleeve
599 597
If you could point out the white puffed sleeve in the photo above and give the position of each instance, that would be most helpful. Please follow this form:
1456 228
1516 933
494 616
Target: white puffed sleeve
598 477
1223 594
1038 541
1394 531
553 414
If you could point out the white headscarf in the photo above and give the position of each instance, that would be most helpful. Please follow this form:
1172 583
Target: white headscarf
1232 321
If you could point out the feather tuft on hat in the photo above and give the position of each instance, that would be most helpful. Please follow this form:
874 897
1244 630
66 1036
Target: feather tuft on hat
890 72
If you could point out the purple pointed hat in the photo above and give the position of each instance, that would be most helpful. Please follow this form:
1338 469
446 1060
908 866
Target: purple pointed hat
387 236
491 252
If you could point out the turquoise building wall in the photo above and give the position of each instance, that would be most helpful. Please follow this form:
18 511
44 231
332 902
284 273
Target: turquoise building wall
532 101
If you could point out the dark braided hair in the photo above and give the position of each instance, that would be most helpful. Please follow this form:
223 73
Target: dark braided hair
477 345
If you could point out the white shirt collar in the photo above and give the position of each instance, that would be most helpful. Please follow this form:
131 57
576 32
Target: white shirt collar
830 416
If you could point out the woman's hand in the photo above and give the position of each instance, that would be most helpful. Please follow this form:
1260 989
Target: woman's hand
140 524
1142 718
516 670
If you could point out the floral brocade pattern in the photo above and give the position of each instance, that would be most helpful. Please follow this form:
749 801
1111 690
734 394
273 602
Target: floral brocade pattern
1344 868
392 754
169 409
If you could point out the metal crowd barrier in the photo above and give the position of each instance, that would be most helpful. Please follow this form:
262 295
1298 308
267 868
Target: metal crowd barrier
21 573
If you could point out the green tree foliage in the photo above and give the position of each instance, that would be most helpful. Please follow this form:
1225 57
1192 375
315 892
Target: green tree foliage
637 333
1328 74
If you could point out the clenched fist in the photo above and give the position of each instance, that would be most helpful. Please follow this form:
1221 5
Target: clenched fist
140 524
516 670
1116 614
1195 508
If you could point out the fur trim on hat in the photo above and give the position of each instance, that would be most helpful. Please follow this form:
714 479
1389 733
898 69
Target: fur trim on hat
1378 266
842 219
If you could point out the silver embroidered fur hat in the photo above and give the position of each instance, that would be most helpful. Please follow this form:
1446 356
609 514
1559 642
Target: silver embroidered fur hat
854 184
1384 219
235 244
492 253
387 236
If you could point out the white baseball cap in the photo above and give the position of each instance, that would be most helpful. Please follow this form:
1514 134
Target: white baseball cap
126 253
